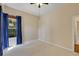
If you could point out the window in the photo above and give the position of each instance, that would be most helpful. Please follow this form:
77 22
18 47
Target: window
12 31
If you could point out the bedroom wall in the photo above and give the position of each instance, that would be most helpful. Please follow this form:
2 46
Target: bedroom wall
29 23
56 26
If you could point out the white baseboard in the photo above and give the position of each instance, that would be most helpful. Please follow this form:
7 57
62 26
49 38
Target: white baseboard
57 45
30 41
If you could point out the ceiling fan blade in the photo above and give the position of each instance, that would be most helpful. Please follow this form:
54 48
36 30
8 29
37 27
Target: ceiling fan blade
45 3
32 3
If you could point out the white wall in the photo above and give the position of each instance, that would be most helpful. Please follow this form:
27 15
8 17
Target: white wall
77 40
29 23
56 26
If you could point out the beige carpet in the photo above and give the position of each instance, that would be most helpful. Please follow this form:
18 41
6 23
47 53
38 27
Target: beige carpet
39 48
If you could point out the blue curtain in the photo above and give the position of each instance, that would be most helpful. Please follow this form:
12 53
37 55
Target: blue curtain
1 51
18 30
4 30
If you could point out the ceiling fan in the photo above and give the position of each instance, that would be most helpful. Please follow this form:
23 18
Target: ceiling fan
39 4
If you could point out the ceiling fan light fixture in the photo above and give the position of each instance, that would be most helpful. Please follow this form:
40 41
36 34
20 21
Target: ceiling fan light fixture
39 4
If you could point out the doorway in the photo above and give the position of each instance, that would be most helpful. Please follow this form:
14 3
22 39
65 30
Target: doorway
76 34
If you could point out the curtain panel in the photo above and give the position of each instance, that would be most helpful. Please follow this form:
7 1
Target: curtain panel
18 30
1 52
4 30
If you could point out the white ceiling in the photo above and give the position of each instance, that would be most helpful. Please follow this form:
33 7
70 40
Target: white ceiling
34 10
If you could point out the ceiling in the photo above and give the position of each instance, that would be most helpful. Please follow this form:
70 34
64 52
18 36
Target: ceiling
32 9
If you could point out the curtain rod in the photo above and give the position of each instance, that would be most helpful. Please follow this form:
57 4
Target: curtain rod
11 16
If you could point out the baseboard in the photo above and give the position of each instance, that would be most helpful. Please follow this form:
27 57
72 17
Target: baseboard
30 41
57 45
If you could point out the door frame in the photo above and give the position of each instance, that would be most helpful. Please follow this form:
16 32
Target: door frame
74 31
